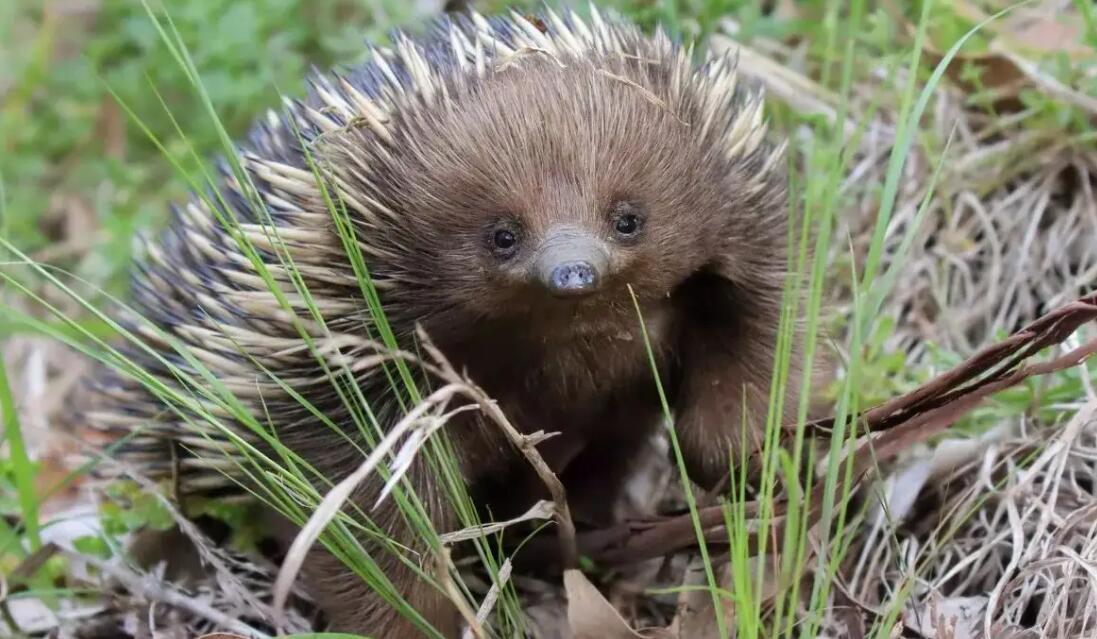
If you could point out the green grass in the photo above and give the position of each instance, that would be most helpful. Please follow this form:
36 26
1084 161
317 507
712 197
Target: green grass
21 467
53 115
126 122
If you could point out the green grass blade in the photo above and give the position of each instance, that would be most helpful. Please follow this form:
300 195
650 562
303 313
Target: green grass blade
21 465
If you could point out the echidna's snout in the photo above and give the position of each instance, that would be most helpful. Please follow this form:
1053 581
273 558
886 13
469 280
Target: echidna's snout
571 263
572 278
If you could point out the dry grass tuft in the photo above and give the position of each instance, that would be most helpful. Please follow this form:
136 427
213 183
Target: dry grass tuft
993 534
1009 230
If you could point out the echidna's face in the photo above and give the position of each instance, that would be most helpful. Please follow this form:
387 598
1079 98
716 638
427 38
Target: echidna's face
538 195
563 258
569 261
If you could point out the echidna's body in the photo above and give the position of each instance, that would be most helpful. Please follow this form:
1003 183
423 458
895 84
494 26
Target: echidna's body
507 180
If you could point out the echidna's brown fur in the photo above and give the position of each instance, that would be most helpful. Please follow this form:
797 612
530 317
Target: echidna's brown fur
547 123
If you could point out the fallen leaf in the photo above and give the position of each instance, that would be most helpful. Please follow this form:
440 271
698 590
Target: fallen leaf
32 616
787 10
901 488
1046 28
1049 34
975 72
589 614
899 491
694 618
1004 69
947 618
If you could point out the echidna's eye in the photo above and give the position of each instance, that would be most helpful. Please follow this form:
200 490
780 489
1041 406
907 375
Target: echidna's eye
626 219
504 242
627 224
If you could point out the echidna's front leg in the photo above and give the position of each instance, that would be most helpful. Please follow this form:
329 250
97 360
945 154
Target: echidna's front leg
723 401
353 605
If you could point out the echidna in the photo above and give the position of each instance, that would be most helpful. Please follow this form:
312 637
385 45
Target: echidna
512 185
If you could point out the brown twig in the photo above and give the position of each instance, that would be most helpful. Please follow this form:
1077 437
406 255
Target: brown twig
1007 355
157 590
565 526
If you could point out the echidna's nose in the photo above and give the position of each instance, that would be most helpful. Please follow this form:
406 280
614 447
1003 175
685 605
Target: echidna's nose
570 263
573 278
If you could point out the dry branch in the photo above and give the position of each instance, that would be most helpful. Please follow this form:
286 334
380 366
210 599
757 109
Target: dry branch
1001 364
155 589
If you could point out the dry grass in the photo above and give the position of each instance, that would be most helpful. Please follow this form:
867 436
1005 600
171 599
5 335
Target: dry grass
993 534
